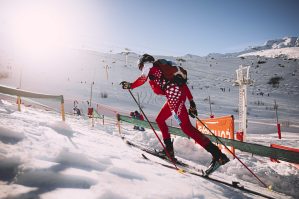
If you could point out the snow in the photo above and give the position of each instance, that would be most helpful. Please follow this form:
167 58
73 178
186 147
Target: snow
97 161
40 155
43 157
272 53
282 43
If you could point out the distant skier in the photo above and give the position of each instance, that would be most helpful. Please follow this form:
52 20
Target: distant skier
76 110
138 116
175 105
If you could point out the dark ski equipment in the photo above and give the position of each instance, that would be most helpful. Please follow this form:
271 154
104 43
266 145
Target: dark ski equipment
190 169
214 166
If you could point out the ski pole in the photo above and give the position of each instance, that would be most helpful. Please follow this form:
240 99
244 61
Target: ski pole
233 154
167 153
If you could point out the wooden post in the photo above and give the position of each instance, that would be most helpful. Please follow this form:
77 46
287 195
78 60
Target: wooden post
103 119
62 109
118 122
19 103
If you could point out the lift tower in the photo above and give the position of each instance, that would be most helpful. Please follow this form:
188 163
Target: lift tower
243 79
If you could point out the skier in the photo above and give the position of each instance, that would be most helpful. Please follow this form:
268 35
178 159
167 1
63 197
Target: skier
137 115
175 105
76 110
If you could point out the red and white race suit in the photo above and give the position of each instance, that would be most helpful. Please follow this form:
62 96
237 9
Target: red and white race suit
176 97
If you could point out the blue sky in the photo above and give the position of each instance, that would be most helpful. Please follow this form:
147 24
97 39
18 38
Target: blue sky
202 26
168 27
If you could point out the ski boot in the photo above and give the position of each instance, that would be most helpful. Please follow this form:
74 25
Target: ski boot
169 147
218 160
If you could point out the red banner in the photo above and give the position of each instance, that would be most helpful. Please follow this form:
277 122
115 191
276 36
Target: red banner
284 148
221 126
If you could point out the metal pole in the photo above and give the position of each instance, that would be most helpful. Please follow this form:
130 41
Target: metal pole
275 108
106 67
211 114
277 123
90 94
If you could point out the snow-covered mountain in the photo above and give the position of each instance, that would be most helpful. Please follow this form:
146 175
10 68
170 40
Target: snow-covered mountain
279 43
287 47
288 53
285 42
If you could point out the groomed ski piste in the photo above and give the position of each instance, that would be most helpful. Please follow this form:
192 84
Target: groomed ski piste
43 157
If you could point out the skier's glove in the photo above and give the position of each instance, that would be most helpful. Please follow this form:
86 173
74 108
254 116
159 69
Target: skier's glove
192 109
125 85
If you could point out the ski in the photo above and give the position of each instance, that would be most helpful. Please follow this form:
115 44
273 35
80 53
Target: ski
155 153
233 184
190 169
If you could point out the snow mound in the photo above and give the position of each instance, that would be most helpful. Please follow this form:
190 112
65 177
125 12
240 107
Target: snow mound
62 128
10 136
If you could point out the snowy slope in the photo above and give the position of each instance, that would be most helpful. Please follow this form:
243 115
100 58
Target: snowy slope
43 157
73 75
40 155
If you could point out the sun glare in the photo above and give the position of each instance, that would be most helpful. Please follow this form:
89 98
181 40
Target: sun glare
39 35
39 30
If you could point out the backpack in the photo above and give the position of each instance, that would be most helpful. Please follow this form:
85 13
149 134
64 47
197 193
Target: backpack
174 74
